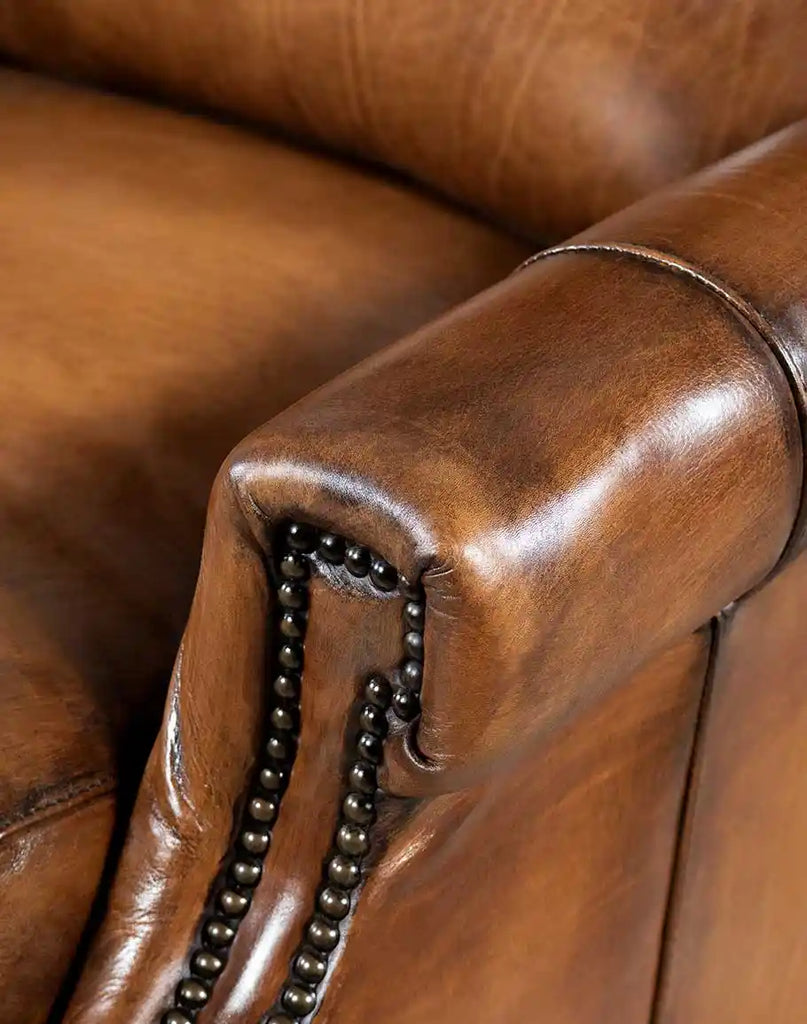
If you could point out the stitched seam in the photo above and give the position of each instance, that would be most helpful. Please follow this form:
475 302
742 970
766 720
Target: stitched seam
56 801
754 319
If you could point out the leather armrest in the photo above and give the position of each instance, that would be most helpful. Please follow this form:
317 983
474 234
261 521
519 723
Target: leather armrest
569 472
580 465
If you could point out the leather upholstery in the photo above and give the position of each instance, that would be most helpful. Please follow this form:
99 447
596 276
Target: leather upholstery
583 464
165 285
750 244
593 412
574 845
548 114
51 860
542 891
738 921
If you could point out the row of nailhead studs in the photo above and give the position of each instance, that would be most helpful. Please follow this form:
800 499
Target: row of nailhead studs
360 562
352 840
255 836
344 866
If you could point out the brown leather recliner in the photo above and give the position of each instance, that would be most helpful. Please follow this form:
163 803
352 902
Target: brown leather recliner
492 700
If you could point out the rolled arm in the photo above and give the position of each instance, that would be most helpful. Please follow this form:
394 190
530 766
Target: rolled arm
580 465
556 480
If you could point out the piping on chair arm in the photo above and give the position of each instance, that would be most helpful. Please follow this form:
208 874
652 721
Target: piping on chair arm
504 515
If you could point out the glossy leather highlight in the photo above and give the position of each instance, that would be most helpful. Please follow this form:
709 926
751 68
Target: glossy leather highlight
523 513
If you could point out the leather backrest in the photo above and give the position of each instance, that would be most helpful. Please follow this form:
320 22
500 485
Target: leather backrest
547 114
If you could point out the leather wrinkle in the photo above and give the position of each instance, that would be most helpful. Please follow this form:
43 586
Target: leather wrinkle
760 325
64 796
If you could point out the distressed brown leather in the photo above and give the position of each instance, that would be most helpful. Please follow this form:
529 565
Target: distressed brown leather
591 843
549 114
165 285
539 894
199 770
582 464
51 859
530 514
737 928
750 248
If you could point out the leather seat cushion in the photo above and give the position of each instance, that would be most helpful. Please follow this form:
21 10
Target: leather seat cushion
166 285
548 114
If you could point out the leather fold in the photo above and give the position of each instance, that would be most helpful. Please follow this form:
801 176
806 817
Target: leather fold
201 771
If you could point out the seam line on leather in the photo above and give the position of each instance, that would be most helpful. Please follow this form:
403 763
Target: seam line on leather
752 316
689 796
52 805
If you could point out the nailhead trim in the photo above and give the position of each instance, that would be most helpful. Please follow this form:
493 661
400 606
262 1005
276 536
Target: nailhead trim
345 866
